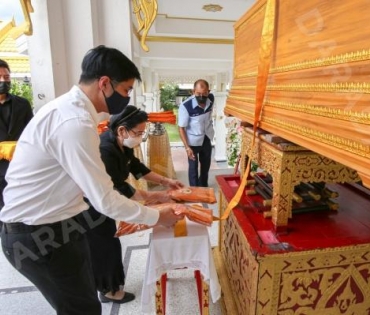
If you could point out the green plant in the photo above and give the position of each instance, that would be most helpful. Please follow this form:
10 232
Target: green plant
173 130
168 96
233 140
22 89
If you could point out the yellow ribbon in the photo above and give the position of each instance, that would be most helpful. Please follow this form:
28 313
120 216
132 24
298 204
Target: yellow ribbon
7 149
264 61
180 228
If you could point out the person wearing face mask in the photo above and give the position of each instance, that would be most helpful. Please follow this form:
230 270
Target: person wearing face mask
116 147
55 165
15 113
196 132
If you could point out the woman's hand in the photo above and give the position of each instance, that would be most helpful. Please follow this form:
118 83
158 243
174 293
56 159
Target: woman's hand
174 183
154 197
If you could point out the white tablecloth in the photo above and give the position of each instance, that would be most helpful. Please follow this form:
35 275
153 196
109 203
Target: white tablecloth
167 252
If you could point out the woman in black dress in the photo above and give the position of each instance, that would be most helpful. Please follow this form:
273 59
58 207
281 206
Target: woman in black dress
125 132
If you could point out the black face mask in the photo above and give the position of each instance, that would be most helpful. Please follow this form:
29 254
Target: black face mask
201 99
116 102
4 87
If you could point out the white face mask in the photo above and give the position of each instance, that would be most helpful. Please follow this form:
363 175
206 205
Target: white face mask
132 142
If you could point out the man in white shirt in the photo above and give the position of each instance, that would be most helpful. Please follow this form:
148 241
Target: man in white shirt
196 132
56 163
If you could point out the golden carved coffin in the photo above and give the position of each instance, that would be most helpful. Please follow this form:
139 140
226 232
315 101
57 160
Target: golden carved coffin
318 82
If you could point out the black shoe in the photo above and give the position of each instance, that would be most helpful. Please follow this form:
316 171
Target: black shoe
128 297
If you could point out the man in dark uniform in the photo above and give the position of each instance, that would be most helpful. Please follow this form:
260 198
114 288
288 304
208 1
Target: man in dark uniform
15 113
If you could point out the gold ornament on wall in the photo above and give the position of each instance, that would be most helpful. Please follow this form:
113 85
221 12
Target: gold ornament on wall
146 12
27 9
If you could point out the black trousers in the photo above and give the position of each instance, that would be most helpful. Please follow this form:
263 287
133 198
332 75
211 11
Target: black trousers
105 251
3 184
202 155
56 259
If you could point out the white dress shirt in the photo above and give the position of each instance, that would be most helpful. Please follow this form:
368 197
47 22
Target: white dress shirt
57 161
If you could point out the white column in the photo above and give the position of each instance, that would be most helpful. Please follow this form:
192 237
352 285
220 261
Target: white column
44 63
115 25
64 30
147 76
149 102
155 89
220 128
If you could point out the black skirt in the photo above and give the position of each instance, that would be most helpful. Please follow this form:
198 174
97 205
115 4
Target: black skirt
106 252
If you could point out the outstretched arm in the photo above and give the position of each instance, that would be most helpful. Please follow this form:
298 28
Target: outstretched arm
165 181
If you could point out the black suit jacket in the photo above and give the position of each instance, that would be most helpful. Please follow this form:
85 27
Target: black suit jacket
20 116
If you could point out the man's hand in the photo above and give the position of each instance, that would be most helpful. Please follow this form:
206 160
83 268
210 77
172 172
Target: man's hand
167 216
190 153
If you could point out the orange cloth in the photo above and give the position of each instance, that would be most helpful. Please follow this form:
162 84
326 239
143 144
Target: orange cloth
103 126
192 212
194 194
162 117
180 228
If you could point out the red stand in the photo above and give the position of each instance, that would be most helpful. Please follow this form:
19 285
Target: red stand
203 294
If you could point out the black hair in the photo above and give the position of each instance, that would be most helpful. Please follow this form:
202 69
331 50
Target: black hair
4 64
104 61
129 118
201 81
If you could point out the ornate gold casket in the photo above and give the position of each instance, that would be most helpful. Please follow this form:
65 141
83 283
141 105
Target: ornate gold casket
318 88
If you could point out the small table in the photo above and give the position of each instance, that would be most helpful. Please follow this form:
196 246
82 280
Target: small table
167 252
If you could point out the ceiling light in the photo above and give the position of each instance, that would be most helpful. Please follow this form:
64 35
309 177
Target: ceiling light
212 8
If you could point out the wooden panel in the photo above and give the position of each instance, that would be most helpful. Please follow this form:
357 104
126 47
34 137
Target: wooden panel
318 91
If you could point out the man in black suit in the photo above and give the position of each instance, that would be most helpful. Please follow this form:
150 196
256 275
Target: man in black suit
15 113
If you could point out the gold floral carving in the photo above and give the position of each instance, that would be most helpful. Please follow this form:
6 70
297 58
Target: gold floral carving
146 12
344 144
333 281
27 9
159 307
354 56
324 111
345 87
241 266
289 168
328 281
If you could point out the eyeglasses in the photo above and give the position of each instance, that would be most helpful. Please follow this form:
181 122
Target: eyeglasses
127 91
137 133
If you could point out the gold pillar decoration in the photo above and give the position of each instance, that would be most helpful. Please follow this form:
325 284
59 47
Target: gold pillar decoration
138 183
146 12
159 157
27 9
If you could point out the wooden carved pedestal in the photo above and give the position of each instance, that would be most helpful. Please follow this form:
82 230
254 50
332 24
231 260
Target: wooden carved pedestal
289 164
321 268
